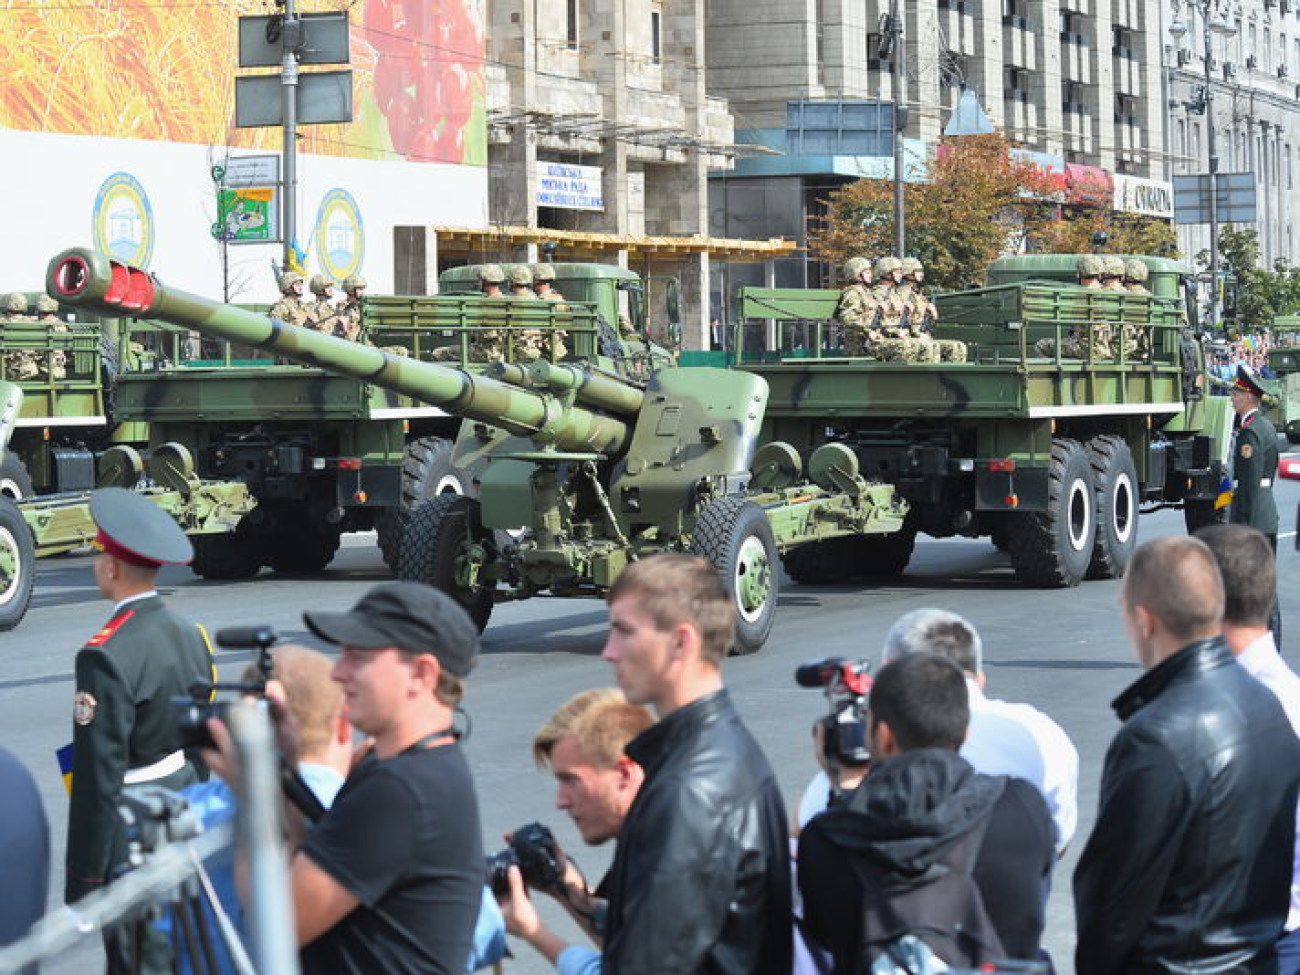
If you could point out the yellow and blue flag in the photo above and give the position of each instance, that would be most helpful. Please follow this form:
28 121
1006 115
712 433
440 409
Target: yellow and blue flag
64 755
1224 497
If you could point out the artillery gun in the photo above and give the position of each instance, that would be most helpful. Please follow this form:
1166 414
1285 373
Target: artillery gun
599 470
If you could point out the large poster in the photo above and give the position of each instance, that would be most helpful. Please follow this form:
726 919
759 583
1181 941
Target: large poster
144 70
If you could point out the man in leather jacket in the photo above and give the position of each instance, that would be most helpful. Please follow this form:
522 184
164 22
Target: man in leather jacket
1188 867
701 876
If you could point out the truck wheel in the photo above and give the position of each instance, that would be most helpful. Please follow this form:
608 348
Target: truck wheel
882 556
736 537
437 546
427 471
230 555
1198 514
17 565
15 482
810 564
1054 547
299 552
1115 476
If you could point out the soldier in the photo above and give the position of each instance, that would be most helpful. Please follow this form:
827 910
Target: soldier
896 343
20 365
922 314
322 313
47 311
544 282
15 307
1136 340
1112 274
1254 460
490 279
1136 274
124 728
857 310
291 307
1089 267
521 281
349 317
544 286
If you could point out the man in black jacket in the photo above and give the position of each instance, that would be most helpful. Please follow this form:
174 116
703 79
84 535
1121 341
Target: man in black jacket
701 876
918 804
1188 867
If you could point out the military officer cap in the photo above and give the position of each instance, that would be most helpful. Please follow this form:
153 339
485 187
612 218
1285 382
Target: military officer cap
44 303
543 272
887 265
1249 381
17 301
520 274
134 530
1136 270
1112 267
288 279
353 281
1089 266
854 267
491 274
320 283
911 265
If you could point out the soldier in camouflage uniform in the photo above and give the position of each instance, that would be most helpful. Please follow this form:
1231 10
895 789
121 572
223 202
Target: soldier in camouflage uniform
1136 341
896 343
23 365
490 279
1112 274
544 286
47 312
349 316
1089 268
291 308
485 345
921 316
322 314
857 312
520 277
15 307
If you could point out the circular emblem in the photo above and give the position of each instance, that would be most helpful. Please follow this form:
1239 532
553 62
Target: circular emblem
1247 451
340 241
83 708
122 221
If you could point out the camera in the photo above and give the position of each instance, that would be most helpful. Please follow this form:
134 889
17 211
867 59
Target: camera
847 685
534 851
194 712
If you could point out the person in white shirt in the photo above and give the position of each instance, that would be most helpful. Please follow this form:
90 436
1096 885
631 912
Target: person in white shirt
1245 559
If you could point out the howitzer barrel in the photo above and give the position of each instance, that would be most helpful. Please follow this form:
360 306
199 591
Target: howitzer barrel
90 279
590 389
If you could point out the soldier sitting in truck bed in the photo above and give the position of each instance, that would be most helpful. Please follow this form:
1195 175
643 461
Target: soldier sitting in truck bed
921 315
1084 334
857 311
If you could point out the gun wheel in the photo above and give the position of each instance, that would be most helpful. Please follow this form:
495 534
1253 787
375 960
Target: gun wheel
444 546
737 538
15 482
427 472
1053 548
229 555
17 565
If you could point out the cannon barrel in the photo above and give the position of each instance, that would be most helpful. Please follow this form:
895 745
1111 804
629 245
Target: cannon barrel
89 279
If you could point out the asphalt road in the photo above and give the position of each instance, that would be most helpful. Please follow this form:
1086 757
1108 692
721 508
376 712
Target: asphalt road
1062 650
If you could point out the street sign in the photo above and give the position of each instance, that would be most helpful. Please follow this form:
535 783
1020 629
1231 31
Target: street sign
250 171
1234 200
323 40
323 97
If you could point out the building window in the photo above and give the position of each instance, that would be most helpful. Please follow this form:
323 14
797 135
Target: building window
571 24
656 37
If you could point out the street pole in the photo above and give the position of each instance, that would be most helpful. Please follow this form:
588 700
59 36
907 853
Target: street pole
289 107
1213 320
897 70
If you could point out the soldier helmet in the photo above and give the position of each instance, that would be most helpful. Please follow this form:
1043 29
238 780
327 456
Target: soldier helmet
44 303
887 265
320 284
543 272
353 281
1089 266
854 267
288 279
1112 267
911 265
520 275
17 301
491 274
1135 270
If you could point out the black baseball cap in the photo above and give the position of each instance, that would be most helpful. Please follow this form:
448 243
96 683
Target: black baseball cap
414 617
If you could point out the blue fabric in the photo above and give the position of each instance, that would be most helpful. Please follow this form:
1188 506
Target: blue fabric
1288 953
489 934
578 960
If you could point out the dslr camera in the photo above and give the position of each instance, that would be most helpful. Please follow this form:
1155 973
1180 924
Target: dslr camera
193 712
847 686
534 851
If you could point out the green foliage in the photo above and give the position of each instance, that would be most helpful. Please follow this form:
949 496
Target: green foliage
1259 294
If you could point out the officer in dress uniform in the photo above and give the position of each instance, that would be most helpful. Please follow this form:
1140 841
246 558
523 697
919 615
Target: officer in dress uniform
124 727
1254 459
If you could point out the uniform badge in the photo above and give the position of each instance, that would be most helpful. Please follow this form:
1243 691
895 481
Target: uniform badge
83 708
1247 451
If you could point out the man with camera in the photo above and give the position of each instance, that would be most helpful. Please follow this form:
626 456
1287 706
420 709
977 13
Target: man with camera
583 744
924 818
126 675
701 876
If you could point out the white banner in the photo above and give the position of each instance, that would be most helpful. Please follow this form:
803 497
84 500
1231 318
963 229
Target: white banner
568 187
1152 197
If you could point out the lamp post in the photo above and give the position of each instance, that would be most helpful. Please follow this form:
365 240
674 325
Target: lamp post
1211 23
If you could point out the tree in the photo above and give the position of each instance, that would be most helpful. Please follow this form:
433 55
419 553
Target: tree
1260 295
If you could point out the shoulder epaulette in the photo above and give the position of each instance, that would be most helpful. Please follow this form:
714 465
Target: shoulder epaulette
113 625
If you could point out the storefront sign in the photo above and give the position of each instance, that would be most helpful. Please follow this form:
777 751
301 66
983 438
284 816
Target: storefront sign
568 187
1152 197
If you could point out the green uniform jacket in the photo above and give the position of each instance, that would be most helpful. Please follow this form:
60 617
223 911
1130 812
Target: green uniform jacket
123 719
1254 468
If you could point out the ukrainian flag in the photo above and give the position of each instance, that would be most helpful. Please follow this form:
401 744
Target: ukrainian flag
297 257
64 755
1225 494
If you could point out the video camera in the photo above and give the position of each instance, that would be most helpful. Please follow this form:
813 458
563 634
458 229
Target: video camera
847 685
193 712
534 851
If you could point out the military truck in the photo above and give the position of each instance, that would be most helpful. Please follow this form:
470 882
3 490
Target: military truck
1050 456
598 465
1284 360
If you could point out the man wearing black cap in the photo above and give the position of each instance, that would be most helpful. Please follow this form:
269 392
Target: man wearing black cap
1254 460
124 732
390 879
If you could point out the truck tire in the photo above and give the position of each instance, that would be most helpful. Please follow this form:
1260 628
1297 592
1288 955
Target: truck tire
434 545
427 471
1115 476
15 482
883 556
230 555
737 538
1198 514
812 564
17 565
1053 548
301 552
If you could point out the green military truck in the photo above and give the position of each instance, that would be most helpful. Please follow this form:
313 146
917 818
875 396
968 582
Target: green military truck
1284 360
1052 457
